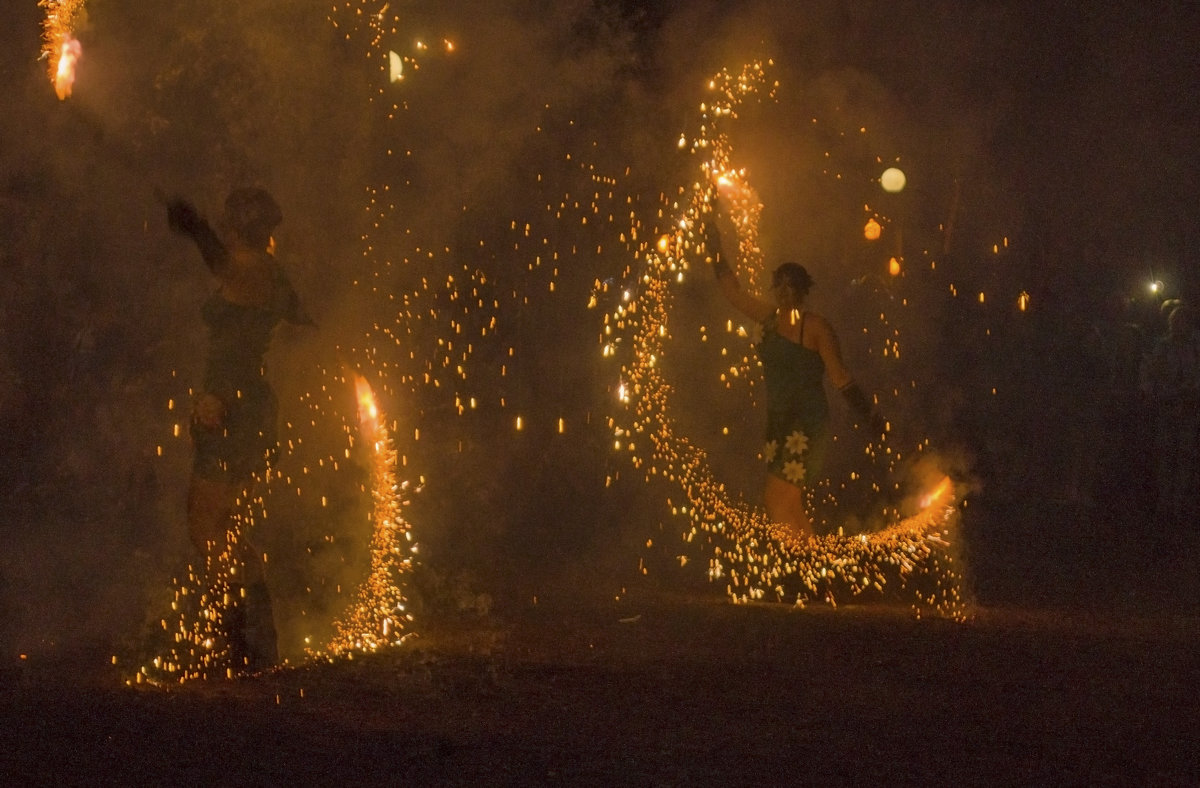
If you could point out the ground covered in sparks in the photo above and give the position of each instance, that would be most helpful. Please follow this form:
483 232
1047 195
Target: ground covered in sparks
652 691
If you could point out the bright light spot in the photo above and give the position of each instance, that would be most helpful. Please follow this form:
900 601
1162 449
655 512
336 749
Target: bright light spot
892 180
872 230
894 266
395 67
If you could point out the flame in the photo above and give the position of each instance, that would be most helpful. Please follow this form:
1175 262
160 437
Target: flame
368 411
59 47
936 494
64 74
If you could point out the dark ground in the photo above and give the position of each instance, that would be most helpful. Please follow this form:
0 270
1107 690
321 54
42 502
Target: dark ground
658 691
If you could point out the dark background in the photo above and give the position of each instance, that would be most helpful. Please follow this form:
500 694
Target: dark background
1063 134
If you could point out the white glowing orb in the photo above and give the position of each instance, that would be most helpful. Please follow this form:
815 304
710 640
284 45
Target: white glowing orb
892 180
395 67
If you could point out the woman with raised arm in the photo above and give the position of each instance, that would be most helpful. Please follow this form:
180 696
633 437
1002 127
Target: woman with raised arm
798 350
233 417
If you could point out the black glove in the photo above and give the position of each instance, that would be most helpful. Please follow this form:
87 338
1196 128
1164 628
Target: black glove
720 267
863 408
183 218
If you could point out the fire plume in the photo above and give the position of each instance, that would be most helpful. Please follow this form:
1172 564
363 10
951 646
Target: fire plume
60 49
378 617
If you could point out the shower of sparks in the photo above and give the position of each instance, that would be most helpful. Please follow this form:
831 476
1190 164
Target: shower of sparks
913 557
60 50
378 617
205 600
316 451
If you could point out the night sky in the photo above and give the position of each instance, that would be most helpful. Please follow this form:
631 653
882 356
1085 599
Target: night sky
1050 149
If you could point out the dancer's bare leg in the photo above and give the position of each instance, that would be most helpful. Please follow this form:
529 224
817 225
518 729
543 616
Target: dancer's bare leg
210 507
785 504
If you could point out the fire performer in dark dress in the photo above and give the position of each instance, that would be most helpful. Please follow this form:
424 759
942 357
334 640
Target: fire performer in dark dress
234 414
798 349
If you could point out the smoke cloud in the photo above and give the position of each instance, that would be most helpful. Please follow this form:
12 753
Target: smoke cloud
477 202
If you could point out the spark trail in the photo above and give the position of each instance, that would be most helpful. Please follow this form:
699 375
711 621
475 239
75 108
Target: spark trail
378 617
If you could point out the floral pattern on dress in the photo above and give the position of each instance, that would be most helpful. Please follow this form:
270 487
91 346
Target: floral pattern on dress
794 471
797 443
789 457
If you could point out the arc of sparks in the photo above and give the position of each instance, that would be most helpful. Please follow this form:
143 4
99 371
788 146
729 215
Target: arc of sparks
751 555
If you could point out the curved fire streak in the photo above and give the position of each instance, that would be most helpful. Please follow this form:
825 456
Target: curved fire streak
913 558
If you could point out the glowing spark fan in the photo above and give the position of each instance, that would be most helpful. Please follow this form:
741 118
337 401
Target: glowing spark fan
756 558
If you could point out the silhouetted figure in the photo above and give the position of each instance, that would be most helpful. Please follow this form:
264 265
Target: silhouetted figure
1116 465
1171 380
798 350
234 414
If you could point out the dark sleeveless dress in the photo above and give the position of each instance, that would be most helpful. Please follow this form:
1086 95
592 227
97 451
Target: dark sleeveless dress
238 339
797 409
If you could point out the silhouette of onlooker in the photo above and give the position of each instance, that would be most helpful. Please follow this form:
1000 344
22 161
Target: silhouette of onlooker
1171 380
